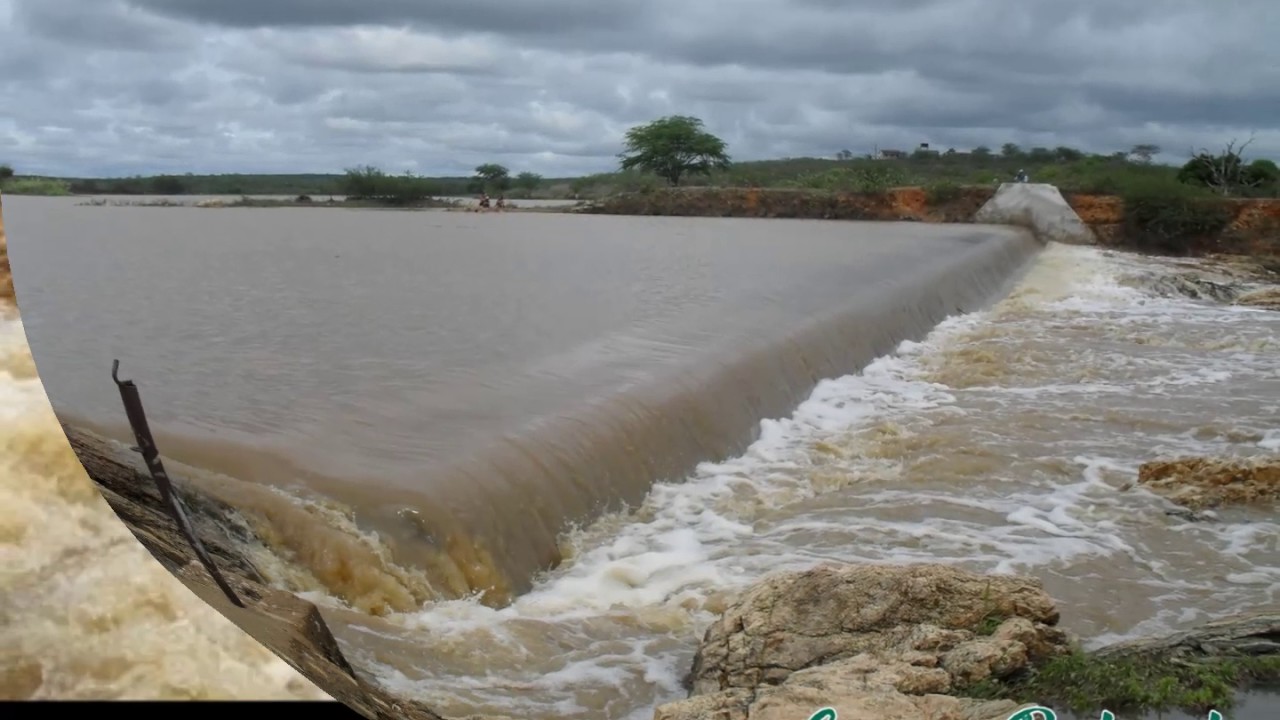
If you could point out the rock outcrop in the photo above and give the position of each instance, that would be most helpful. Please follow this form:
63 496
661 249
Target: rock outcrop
1252 634
878 642
937 642
1267 298
1194 286
1199 483
1218 279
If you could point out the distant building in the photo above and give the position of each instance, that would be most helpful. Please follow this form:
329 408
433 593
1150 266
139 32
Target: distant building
889 154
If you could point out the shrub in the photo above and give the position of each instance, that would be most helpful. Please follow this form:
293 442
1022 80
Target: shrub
35 186
371 184
942 192
1170 216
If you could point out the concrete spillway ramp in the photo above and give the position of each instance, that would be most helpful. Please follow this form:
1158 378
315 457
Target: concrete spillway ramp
1039 207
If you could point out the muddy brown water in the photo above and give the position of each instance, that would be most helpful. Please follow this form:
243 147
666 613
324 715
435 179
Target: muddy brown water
470 386
1007 440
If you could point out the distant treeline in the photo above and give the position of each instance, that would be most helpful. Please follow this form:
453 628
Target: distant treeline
232 184
1226 173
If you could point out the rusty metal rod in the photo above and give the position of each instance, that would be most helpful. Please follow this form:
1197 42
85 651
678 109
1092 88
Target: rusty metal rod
151 456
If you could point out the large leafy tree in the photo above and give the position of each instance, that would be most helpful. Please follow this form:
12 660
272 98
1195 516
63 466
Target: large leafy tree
492 177
673 147
528 180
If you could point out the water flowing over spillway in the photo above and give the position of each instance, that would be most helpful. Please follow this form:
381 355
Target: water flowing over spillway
471 391
1004 439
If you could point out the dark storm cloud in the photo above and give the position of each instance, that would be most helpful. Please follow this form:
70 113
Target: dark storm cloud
123 86
98 24
497 16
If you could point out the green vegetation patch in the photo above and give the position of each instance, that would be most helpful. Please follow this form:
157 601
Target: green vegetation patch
1083 684
34 186
1166 216
989 624
943 192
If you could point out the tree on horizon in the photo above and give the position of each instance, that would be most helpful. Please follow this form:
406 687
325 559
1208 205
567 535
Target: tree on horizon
492 177
673 147
1145 151
528 180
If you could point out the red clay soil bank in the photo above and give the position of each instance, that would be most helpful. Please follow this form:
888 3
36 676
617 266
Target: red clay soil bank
1254 230
897 204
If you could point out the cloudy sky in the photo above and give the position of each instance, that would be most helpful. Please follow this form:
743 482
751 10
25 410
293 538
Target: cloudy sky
113 87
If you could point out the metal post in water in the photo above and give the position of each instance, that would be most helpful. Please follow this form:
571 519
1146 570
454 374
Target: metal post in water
151 456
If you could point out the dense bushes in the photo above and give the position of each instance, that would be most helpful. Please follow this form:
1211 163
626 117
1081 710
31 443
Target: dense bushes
34 186
1172 217
941 193
865 179
1228 174
373 185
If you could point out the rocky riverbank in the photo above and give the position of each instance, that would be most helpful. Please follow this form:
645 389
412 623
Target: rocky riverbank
934 641
1247 227
1226 279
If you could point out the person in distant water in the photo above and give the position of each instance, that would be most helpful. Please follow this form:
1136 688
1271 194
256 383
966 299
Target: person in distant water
1021 176
502 201
484 200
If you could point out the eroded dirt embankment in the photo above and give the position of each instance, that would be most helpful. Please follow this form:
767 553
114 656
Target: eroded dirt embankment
1253 229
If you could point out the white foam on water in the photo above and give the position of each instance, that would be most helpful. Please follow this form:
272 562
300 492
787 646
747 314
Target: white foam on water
1051 494
1271 438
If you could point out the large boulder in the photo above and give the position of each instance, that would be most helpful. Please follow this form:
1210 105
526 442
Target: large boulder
871 641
